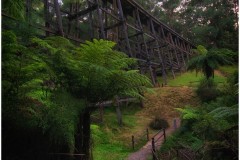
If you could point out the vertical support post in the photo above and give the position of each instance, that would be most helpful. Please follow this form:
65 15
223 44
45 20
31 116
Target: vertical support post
147 134
125 29
133 142
178 43
164 134
46 15
185 48
104 6
159 53
175 51
28 10
101 112
174 123
145 46
171 62
91 33
119 113
153 149
116 29
69 21
100 19
77 6
59 18
155 76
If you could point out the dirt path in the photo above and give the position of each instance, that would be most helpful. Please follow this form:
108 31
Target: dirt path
145 151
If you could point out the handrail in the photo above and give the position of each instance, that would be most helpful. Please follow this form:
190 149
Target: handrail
134 142
158 132
155 157
159 138
154 141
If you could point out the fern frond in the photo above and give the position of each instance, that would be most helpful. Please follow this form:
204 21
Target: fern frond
188 113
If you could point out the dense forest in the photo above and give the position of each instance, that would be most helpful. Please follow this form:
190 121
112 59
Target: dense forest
51 85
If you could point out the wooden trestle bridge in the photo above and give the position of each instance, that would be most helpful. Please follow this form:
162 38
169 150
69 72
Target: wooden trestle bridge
157 47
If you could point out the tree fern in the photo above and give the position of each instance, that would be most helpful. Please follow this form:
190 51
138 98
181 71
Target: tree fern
14 8
223 112
207 61
188 113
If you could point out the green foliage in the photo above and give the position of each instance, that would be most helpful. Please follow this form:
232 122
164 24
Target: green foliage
208 61
222 112
207 90
210 129
228 70
14 8
210 23
182 140
188 113
44 85
60 119
22 70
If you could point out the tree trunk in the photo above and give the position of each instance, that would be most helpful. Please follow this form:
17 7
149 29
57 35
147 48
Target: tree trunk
79 136
46 15
59 18
86 133
119 114
101 112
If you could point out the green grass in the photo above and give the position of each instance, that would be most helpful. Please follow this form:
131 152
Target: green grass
190 79
105 147
227 70
107 144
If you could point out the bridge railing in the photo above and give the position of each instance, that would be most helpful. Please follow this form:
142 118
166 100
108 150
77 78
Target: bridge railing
161 133
143 138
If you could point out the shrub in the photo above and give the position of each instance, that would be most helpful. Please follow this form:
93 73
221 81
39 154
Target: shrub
207 90
158 123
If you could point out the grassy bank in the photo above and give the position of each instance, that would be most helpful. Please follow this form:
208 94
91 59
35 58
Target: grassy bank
114 142
190 79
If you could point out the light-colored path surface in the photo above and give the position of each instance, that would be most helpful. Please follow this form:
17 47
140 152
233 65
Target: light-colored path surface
146 150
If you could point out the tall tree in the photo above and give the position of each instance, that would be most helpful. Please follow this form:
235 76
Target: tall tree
211 23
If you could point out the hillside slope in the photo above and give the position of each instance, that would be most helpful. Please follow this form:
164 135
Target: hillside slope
114 142
163 102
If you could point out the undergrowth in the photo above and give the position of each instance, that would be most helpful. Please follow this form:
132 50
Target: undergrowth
108 138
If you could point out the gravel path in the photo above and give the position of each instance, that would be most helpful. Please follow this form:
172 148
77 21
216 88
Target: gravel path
145 151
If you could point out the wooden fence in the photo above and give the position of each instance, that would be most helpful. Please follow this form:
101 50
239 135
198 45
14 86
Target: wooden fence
155 140
136 141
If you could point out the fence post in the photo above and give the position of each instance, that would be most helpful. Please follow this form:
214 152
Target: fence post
147 135
164 134
153 149
133 142
175 124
